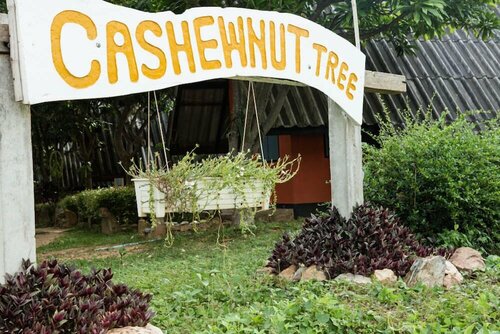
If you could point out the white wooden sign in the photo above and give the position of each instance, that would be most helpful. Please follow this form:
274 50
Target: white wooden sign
82 49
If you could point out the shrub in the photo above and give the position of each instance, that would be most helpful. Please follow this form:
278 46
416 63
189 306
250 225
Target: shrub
371 239
44 214
120 202
437 176
54 298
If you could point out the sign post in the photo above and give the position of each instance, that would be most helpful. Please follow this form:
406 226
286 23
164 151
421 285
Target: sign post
17 216
346 172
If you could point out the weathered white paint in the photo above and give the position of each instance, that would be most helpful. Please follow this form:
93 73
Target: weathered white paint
49 75
17 217
226 198
14 51
345 160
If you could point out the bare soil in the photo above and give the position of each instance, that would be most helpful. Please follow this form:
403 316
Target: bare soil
88 253
46 235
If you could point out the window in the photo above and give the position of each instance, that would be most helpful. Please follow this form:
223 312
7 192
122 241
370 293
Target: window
271 148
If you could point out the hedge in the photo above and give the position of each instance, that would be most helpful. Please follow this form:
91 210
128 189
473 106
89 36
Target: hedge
119 201
442 179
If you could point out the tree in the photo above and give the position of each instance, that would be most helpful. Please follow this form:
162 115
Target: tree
62 127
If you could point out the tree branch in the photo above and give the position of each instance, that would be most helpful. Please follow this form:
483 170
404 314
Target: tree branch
367 34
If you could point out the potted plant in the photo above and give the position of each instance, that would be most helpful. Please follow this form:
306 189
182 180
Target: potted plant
193 185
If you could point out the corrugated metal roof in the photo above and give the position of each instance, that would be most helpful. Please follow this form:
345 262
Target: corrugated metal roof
200 118
457 73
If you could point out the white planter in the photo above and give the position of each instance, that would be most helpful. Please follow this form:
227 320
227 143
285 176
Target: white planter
226 198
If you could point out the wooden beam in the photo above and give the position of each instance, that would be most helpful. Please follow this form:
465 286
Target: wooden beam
4 33
375 82
384 83
270 80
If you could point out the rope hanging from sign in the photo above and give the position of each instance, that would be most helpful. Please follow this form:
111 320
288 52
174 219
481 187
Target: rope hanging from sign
251 90
150 158
161 132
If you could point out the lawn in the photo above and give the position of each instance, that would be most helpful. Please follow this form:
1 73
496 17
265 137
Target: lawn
207 283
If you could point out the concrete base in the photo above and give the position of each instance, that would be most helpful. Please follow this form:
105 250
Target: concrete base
17 210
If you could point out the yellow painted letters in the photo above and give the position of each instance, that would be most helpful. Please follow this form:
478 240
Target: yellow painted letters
175 48
127 48
198 23
70 16
152 73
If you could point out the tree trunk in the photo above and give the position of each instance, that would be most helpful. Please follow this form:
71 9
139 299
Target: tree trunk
233 134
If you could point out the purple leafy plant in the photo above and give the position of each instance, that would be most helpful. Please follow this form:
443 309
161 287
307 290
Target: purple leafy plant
371 239
54 298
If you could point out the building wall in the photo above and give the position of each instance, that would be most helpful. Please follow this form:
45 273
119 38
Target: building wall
311 184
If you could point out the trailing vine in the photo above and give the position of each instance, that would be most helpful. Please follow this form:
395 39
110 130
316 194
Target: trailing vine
193 182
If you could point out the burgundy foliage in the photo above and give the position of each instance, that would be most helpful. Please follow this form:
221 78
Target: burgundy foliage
371 239
55 298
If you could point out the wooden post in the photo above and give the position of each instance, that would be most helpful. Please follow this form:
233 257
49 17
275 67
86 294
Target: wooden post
346 173
17 217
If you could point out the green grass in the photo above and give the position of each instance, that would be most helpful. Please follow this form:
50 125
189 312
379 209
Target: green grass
201 285
83 238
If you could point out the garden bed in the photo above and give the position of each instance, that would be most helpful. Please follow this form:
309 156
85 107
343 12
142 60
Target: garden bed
207 283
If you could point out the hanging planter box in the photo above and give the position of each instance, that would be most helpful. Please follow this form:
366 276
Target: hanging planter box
254 195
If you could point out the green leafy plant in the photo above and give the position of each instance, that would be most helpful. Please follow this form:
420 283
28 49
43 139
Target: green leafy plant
44 214
119 201
437 176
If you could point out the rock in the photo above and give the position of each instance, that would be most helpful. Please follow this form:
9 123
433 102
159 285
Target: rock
288 272
109 224
298 274
466 258
312 273
44 215
183 226
359 279
143 227
277 215
265 271
430 271
65 218
160 230
452 276
154 329
149 329
385 276
227 215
